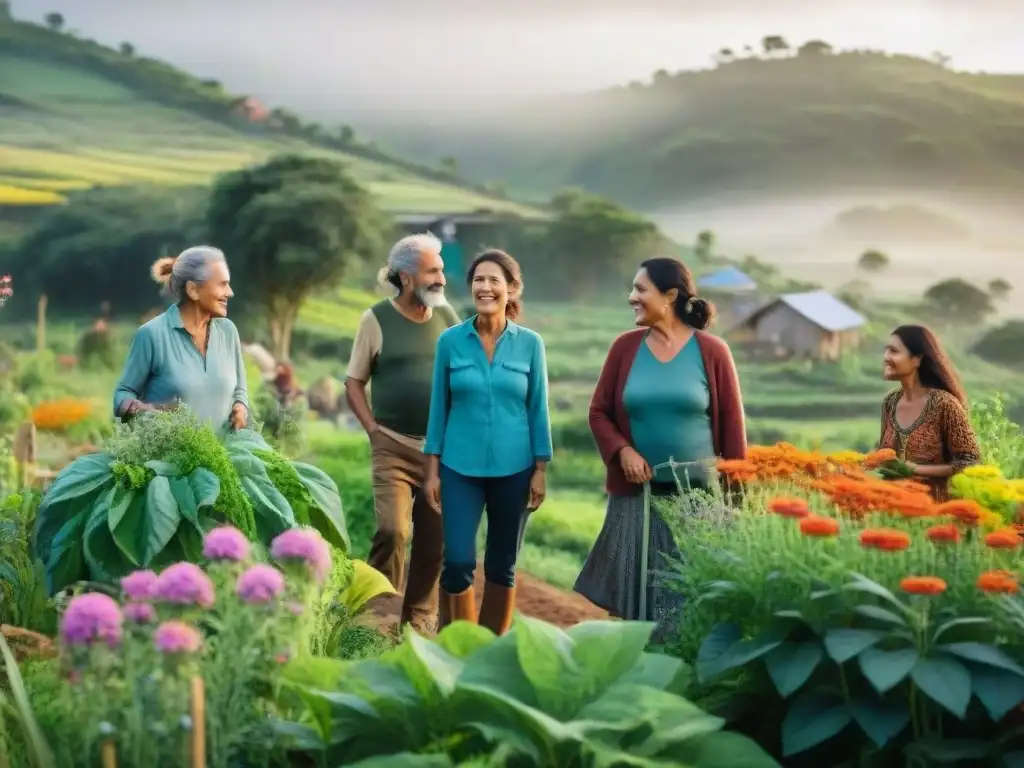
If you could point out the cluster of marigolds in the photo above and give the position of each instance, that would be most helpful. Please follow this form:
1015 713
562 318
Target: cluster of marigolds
60 415
845 479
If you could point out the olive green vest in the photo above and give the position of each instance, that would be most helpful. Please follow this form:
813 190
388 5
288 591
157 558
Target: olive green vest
402 375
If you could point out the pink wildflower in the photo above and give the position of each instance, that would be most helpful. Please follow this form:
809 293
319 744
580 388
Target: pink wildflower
91 618
139 613
184 584
305 545
138 586
177 637
226 543
260 584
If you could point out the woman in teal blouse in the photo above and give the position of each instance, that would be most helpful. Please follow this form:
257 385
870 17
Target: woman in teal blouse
190 354
488 440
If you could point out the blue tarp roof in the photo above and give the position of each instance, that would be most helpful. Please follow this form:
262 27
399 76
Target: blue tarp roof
729 278
824 310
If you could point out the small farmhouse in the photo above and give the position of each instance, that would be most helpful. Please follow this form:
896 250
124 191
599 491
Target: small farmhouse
734 292
814 324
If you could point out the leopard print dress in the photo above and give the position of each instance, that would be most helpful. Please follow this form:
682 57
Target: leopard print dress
942 434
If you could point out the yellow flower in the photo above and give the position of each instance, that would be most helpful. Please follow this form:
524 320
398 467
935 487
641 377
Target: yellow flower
982 471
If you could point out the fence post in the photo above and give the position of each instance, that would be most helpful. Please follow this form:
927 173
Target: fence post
25 452
41 324
108 754
198 723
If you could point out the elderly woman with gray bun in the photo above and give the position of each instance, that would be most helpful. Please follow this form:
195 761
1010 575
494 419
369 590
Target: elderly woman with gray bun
191 353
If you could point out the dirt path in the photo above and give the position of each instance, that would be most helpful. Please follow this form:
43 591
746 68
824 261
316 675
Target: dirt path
534 598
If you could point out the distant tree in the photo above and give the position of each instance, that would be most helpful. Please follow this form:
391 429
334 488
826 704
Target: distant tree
347 135
294 225
1002 345
725 55
5 10
873 261
287 121
450 165
999 288
774 44
661 77
54 21
748 50
814 48
957 300
127 49
703 246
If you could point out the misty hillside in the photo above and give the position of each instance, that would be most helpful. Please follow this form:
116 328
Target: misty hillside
787 122
75 114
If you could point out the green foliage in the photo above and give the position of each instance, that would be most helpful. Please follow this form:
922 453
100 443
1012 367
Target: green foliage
957 299
23 595
280 424
1001 440
536 696
1001 345
873 261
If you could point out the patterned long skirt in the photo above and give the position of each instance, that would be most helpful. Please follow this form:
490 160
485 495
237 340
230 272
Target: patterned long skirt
611 576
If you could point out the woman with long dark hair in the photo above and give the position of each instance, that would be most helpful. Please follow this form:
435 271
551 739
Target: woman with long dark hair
668 392
925 421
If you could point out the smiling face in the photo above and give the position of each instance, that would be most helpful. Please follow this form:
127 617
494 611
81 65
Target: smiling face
897 362
650 306
490 289
212 296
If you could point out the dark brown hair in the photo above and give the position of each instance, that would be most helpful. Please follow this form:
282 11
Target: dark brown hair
936 371
666 274
513 276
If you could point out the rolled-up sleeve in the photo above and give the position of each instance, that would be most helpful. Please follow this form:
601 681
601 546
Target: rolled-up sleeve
537 404
241 393
138 368
437 422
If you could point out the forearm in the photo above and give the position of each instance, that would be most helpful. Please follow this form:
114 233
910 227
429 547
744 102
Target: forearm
934 470
355 395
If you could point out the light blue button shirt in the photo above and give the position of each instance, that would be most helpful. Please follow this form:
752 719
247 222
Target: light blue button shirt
164 365
489 419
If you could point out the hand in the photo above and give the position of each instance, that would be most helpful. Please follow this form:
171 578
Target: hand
538 489
914 468
432 491
633 466
239 416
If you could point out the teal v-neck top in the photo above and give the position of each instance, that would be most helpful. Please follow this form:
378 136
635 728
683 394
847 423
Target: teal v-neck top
489 418
669 409
165 365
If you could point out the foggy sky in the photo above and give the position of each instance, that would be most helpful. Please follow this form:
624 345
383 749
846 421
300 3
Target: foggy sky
347 54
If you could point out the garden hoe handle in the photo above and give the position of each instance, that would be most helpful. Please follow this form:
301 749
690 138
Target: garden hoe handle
645 544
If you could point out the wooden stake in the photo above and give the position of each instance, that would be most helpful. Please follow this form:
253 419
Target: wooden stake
41 324
198 723
108 754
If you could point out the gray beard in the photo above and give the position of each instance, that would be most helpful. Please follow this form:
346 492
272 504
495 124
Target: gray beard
430 299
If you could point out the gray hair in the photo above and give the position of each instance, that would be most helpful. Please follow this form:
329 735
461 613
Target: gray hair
190 266
405 257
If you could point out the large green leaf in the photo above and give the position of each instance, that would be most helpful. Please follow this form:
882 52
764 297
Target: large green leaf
161 519
327 515
658 670
206 487
966 621
125 518
881 614
185 497
461 638
245 440
78 478
497 666
885 669
718 750
740 654
273 513
790 665
982 653
945 681
880 720
997 691
607 650
65 563
812 719
721 638
432 669
843 644
106 561
163 468
546 657
405 760
248 465
861 583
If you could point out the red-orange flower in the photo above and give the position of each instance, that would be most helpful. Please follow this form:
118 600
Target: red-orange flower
787 507
966 511
923 585
817 525
886 539
942 534
1007 538
998 581
876 459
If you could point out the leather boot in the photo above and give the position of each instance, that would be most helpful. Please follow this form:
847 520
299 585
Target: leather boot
444 613
461 607
498 605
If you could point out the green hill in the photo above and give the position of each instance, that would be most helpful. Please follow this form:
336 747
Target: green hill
75 114
796 122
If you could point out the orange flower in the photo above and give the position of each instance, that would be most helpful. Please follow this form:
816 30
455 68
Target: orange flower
923 585
787 507
58 415
942 534
998 581
876 459
817 525
966 511
1006 538
886 539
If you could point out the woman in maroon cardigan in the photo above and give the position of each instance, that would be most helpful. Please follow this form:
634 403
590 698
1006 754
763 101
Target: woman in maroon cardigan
668 392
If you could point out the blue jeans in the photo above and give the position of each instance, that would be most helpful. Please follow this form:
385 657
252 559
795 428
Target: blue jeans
463 500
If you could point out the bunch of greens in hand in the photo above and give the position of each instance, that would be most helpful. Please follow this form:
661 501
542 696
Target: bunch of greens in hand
895 469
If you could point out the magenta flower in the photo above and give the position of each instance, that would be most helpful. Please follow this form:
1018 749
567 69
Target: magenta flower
177 637
184 584
260 585
139 613
226 543
305 545
91 618
138 586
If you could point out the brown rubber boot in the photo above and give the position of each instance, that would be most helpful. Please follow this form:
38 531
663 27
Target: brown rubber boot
461 607
498 605
444 613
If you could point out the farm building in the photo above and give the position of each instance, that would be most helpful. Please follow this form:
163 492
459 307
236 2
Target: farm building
814 324
728 280
734 292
